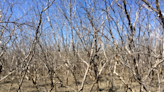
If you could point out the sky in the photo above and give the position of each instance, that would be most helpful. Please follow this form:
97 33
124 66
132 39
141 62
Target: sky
27 11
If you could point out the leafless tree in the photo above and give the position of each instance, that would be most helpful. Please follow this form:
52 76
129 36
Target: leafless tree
82 45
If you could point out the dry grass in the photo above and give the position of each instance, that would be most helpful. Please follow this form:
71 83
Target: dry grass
44 84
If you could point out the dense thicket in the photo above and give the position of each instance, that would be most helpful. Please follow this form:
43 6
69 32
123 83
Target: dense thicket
82 45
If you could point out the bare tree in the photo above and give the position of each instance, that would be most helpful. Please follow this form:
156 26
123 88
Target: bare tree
82 45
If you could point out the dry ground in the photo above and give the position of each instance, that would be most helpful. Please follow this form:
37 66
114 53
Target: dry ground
44 83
